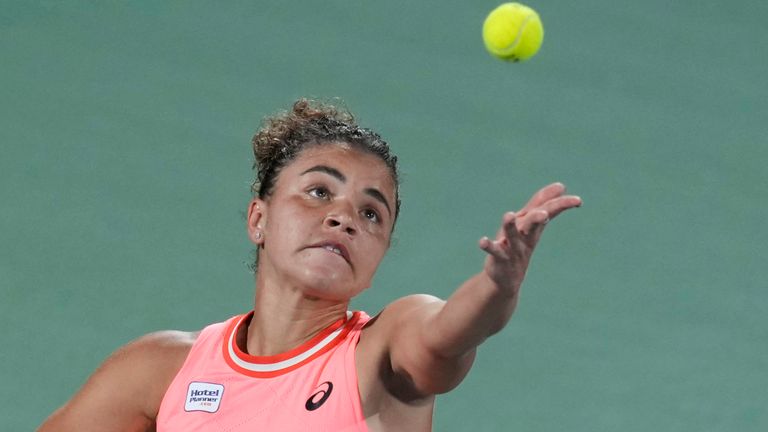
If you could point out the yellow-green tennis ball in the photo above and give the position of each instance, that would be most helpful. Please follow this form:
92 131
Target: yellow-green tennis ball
513 32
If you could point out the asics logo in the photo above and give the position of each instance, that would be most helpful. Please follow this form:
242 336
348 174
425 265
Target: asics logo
319 397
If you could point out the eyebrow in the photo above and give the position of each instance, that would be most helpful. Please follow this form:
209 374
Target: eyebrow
333 172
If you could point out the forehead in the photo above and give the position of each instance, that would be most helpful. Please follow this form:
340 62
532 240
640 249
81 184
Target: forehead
353 162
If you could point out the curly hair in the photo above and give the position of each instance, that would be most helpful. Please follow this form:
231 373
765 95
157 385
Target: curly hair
310 123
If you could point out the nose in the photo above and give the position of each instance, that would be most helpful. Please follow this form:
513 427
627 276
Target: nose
341 219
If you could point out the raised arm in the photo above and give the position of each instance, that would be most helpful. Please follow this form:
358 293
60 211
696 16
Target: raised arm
124 393
433 342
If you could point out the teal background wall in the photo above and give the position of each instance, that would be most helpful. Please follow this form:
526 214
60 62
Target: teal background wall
125 164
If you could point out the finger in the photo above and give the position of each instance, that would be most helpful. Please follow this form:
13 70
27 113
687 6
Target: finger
492 248
505 235
534 220
560 204
543 195
508 220
510 225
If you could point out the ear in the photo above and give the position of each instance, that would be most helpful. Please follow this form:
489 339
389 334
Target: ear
256 220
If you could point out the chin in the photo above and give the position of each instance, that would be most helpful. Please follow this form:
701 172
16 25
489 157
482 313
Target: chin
329 284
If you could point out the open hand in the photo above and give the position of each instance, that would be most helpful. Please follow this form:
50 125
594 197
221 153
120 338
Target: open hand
510 252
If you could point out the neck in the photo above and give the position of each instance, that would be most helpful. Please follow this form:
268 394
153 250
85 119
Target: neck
285 318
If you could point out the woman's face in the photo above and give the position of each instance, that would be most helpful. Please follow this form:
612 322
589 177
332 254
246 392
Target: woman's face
328 222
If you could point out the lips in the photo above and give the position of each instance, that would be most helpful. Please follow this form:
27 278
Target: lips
334 247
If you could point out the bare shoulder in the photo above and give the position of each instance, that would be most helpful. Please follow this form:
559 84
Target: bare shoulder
163 346
380 335
390 398
153 359
402 311
380 332
125 392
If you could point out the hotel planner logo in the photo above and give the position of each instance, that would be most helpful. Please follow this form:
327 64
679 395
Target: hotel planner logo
202 396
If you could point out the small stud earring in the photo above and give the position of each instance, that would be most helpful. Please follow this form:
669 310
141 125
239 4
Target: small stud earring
258 235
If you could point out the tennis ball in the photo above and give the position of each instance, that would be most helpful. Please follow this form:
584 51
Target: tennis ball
513 32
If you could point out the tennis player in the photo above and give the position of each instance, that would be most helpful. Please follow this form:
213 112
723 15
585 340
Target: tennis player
325 204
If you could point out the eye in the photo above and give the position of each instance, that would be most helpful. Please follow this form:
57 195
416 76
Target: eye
319 192
371 215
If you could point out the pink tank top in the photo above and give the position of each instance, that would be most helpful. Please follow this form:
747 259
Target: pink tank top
310 388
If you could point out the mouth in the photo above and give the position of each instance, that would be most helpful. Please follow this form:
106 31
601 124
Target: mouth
336 248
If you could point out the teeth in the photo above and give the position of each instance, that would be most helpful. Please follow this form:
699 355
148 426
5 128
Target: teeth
333 249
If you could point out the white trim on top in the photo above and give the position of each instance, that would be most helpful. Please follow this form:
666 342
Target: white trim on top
272 367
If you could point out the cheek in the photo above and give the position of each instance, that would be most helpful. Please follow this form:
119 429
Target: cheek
375 252
284 228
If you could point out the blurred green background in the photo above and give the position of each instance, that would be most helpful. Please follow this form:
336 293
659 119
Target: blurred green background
125 168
